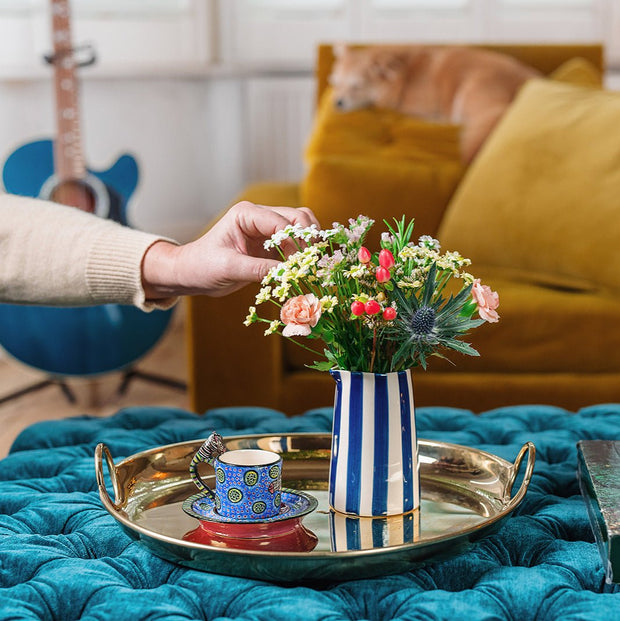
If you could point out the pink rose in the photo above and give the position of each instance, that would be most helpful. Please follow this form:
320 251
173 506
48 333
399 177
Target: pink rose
486 300
300 314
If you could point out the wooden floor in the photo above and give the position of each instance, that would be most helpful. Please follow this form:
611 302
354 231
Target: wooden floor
95 397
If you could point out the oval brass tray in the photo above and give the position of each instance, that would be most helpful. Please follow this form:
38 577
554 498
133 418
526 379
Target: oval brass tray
465 494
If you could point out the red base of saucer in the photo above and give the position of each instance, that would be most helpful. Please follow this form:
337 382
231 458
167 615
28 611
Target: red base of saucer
289 536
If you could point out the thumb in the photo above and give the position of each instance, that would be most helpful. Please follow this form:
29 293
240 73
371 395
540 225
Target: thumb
252 269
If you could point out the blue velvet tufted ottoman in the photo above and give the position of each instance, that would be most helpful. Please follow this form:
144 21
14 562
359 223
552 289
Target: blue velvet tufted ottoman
62 556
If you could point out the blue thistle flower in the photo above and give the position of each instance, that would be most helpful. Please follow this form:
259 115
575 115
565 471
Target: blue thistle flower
430 323
423 320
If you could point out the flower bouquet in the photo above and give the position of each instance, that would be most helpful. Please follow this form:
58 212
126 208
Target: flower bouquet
378 315
375 312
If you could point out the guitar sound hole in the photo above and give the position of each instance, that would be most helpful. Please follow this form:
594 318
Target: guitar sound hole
75 193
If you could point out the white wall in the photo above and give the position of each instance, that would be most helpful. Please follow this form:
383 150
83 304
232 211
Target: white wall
240 106
185 133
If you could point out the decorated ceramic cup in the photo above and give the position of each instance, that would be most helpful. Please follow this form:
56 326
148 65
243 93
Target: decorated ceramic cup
247 481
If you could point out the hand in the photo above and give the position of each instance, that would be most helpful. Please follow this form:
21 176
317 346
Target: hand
224 259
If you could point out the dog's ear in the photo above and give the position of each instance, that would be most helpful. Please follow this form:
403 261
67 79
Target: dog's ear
387 65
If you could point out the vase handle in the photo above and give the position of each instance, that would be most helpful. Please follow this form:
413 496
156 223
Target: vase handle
530 449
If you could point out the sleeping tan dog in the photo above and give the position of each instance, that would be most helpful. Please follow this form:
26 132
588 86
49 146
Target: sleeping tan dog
464 86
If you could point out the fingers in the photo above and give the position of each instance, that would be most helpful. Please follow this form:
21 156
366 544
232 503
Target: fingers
231 253
247 226
288 246
256 221
297 215
266 220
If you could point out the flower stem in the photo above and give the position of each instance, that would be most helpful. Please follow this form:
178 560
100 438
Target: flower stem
374 350
318 353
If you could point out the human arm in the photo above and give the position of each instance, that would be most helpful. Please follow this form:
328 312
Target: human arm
56 255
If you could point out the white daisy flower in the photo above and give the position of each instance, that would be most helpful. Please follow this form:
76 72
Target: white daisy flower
426 241
273 327
282 291
328 303
252 316
356 271
263 295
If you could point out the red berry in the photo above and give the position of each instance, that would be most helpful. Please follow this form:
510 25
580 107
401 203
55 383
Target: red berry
372 307
389 313
358 308
363 254
386 259
382 274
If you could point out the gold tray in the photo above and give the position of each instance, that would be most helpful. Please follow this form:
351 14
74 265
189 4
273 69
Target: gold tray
466 493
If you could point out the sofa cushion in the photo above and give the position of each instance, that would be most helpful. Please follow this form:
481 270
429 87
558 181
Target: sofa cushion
345 187
381 164
541 330
379 133
541 199
580 72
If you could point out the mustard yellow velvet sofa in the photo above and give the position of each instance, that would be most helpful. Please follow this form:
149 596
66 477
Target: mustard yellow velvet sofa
557 341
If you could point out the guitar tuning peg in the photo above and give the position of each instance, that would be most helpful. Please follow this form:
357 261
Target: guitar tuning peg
89 59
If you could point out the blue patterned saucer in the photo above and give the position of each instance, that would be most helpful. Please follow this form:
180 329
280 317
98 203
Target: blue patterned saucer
294 505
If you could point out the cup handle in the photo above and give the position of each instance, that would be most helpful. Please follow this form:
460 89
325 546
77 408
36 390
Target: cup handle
212 448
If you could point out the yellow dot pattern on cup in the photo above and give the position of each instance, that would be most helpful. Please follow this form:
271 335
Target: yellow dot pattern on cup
250 478
235 495
259 506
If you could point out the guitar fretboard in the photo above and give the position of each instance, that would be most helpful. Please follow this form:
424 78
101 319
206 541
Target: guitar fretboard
68 154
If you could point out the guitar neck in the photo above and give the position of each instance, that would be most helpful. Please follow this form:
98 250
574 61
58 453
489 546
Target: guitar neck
68 153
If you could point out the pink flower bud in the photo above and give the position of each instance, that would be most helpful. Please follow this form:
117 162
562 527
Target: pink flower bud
389 313
386 259
364 255
358 308
382 274
372 307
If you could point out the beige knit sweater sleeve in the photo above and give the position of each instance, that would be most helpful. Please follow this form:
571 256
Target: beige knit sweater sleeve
56 255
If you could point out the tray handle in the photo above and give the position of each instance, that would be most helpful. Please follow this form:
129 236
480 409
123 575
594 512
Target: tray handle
530 449
101 452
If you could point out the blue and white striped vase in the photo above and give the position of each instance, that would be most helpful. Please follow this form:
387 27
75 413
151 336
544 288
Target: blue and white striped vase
348 532
374 464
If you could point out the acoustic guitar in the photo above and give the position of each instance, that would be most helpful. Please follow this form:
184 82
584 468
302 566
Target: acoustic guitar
74 341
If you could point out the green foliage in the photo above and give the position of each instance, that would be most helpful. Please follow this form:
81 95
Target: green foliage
403 322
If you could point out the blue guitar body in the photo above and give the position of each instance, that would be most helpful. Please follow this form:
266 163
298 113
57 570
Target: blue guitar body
76 341
29 169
